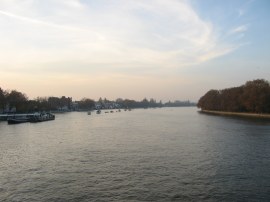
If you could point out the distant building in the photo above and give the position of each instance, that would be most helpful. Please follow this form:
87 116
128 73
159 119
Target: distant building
74 106
98 106
63 109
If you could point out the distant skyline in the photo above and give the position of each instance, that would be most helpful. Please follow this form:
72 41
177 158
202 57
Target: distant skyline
162 49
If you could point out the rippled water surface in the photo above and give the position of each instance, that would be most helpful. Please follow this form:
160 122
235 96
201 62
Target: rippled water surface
167 154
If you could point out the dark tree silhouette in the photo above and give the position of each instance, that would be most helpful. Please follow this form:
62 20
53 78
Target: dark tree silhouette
86 104
2 99
17 99
254 97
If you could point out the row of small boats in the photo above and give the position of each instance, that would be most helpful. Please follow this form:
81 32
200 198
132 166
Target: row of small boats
99 111
34 118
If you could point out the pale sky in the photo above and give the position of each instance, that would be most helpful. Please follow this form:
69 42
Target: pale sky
162 49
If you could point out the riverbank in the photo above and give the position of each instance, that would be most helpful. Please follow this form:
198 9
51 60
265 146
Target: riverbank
239 114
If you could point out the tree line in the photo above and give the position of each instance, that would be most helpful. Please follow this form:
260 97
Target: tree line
253 96
15 101
145 103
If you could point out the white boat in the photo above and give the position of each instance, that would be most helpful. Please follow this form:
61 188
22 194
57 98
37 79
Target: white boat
40 117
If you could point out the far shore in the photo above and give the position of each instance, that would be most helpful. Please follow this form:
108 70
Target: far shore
240 114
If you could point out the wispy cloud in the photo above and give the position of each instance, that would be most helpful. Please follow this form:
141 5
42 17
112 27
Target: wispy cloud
120 34
239 29
39 22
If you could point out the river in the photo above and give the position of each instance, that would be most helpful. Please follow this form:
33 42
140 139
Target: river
165 154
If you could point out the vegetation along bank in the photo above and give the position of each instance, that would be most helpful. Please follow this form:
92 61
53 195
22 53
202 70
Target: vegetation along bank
251 99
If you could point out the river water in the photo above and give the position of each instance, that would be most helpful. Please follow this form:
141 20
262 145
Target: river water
166 154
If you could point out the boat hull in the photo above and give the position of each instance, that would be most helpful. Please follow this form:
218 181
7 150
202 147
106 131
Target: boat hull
17 121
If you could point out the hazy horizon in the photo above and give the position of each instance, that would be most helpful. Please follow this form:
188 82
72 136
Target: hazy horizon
162 49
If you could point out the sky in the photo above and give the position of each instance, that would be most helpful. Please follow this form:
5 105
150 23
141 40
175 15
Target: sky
161 49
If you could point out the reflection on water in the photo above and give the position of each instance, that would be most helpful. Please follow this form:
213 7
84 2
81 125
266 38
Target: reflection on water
143 155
